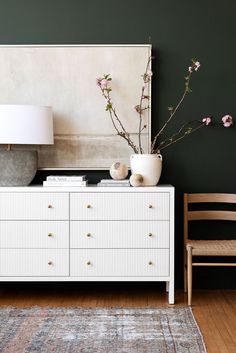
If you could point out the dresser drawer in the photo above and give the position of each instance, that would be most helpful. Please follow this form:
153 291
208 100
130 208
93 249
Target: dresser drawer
33 262
34 206
119 234
119 262
119 206
34 234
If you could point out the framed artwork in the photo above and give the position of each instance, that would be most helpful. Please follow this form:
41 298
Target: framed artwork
64 77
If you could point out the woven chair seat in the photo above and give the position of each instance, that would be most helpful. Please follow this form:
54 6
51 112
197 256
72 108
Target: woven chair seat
212 247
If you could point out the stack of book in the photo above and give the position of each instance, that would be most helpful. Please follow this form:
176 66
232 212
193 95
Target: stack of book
66 180
112 182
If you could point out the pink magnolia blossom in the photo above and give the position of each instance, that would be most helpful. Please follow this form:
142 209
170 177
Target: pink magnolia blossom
227 120
206 120
196 65
104 83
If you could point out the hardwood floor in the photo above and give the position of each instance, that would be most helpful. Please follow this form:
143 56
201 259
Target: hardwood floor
215 311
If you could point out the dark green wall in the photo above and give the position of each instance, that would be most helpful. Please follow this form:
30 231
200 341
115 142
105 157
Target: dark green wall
179 30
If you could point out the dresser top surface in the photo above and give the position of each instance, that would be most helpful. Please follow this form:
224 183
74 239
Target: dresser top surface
89 188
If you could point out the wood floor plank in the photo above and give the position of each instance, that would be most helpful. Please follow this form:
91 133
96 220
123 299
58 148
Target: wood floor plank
218 335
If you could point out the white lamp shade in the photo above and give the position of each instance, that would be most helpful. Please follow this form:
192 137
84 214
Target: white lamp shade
26 124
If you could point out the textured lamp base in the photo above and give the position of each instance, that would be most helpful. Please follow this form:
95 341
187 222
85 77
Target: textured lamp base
17 167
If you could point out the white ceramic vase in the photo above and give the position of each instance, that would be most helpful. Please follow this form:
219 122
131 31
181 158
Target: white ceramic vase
148 165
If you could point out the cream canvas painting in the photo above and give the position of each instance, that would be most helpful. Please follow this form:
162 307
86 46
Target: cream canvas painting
64 77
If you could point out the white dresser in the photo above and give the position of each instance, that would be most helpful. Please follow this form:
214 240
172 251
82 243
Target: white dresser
87 234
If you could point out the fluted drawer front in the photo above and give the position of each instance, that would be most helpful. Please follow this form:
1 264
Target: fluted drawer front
119 234
34 206
119 262
119 206
34 234
34 262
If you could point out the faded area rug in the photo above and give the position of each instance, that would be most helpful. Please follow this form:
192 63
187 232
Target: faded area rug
99 330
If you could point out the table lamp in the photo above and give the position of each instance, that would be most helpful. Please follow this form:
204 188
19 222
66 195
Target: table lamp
22 125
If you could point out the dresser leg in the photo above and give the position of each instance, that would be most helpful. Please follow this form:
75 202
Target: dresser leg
171 294
167 287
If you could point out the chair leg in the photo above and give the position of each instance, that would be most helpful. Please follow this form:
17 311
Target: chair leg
189 271
185 271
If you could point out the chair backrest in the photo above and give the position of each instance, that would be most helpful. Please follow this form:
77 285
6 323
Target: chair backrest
203 214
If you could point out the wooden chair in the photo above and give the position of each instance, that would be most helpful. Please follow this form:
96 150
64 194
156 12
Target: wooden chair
205 247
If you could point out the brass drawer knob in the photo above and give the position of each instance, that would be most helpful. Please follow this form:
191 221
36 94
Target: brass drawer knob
50 235
88 206
150 235
50 263
50 206
150 206
89 263
88 235
150 263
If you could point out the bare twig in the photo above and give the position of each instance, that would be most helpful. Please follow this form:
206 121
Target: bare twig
159 148
173 111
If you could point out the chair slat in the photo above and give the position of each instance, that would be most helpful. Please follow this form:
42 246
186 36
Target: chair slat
224 264
211 215
201 198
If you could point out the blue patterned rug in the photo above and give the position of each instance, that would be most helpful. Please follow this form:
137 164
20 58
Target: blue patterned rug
99 330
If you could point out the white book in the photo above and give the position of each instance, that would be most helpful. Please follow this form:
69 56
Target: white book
112 185
65 183
66 178
116 183
112 181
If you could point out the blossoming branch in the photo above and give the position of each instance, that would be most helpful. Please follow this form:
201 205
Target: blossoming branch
104 84
159 143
